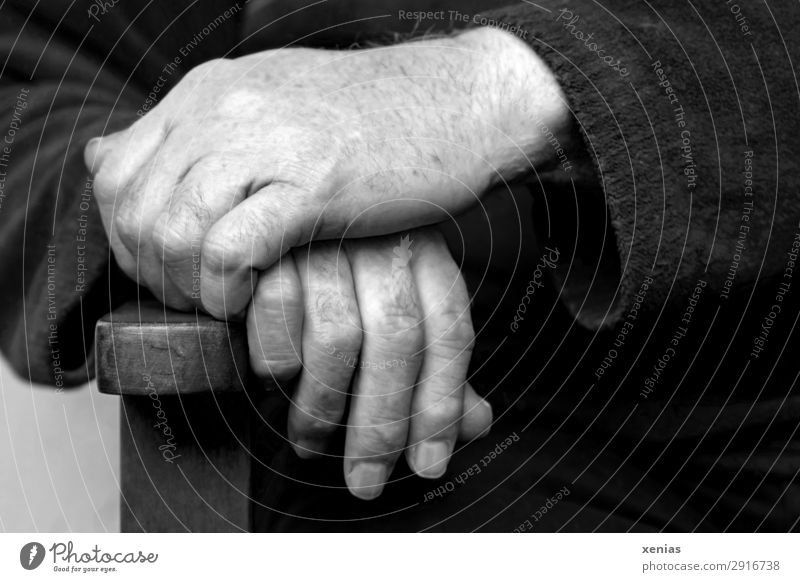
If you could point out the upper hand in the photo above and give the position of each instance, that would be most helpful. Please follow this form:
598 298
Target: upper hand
246 158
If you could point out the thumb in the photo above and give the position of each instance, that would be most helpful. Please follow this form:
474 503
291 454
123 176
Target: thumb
98 148
122 153
93 154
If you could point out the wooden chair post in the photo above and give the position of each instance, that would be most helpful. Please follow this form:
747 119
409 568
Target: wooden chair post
186 418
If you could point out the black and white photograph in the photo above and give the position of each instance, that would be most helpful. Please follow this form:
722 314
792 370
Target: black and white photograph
388 267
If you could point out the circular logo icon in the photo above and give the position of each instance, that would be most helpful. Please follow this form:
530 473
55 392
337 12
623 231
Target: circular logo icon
31 555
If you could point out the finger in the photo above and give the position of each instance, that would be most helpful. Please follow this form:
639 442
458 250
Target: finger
377 427
120 154
275 322
114 160
476 418
252 236
98 148
278 217
133 220
330 345
133 191
437 405
210 189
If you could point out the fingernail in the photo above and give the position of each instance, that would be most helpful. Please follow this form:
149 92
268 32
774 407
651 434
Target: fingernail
430 459
366 480
90 154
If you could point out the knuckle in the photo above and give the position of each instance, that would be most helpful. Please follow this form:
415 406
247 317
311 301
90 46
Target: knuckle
397 313
231 248
449 323
335 344
174 240
442 413
332 307
220 255
453 331
213 252
320 418
189 206
381 439
193 215
399 310
334 320
347 339
278 293
387 413
237 242
126 224
399 330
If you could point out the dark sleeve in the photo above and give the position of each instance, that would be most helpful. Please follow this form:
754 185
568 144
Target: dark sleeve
70 71
689 113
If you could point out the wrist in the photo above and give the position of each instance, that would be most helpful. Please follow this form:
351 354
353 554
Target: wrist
527 114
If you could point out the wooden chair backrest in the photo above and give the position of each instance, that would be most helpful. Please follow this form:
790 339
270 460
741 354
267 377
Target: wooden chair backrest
186 418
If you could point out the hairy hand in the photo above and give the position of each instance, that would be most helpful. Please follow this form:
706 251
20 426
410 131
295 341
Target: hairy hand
387 320
247 158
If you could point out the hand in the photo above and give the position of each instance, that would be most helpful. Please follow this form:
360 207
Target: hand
389 316
247 158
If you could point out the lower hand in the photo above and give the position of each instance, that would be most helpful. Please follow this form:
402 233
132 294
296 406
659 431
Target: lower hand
386 320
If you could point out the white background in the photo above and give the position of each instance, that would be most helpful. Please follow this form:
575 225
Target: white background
59 454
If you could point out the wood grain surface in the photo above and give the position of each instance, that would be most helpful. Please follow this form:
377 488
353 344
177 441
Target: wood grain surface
145 347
